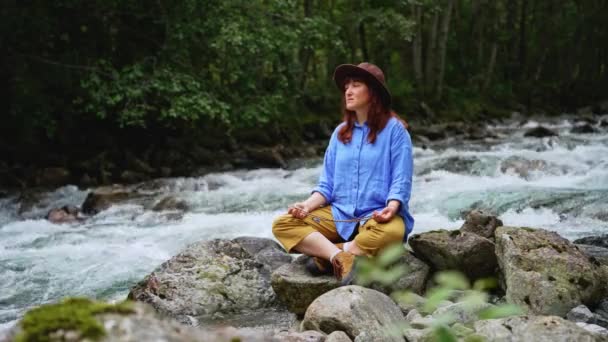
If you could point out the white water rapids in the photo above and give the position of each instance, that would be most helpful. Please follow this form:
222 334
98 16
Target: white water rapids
562 186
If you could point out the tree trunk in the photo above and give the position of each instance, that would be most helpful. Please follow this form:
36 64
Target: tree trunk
430 53
417 47
363 41
442 48
491 64
521 63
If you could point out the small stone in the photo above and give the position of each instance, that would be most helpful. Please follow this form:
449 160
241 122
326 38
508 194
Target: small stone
338 336
580 313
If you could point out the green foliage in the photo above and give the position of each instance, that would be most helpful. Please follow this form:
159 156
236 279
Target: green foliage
72 314
241 64
450 285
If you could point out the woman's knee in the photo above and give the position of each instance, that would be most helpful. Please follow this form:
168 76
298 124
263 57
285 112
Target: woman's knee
281 223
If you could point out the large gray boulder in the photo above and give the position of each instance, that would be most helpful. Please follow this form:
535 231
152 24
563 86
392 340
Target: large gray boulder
534 328
356 311
142 323
209 280
297 288
456 250
546 273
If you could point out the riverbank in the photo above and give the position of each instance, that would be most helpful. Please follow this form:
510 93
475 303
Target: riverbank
137 155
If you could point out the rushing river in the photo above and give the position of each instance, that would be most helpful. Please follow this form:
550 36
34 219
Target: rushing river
558 183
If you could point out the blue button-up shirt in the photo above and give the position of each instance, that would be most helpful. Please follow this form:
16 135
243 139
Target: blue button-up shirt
360 177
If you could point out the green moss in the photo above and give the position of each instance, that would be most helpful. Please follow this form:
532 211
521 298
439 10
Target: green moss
72 314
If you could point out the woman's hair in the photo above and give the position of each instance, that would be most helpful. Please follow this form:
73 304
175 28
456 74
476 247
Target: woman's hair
377 116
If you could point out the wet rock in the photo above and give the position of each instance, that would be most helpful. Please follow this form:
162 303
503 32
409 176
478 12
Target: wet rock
29 199
53 176
533 259
456 164
297 288
170 203
102 198
481 223
533 328
598 253
456 250
583 129
413 280
354 310
65 214
600 241
521 166
208 280
540 132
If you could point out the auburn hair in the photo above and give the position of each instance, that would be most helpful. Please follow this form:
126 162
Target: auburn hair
377 116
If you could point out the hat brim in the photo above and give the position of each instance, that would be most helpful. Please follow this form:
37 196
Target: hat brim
345 71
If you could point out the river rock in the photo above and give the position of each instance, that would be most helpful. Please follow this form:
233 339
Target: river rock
297 288
598 253
102 198
413 280
355 310
600 241
539 132
338 336
170 203
544 272
580 313
583 129
481 223
461 312
522 166
534 328
208 280
144 324
456 250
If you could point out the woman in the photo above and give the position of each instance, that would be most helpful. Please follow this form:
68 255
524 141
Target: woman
367 173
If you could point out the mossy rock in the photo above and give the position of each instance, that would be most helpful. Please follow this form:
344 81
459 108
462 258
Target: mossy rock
72 314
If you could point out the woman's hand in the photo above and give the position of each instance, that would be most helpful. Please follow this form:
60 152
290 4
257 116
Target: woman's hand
299 210
385 214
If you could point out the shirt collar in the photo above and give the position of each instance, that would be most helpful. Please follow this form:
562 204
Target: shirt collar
357 124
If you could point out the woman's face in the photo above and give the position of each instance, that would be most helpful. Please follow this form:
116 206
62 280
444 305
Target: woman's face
356 95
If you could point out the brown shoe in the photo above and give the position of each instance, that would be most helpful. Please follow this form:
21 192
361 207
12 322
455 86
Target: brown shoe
319 266
343 265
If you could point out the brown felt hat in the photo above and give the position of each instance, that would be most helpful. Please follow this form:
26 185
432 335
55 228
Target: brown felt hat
367 72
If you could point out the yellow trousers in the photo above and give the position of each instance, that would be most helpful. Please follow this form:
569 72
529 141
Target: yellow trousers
371 237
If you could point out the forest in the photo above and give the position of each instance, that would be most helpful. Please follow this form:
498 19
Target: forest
98 86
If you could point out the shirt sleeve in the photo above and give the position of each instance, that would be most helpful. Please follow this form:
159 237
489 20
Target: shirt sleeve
401 166
326 181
